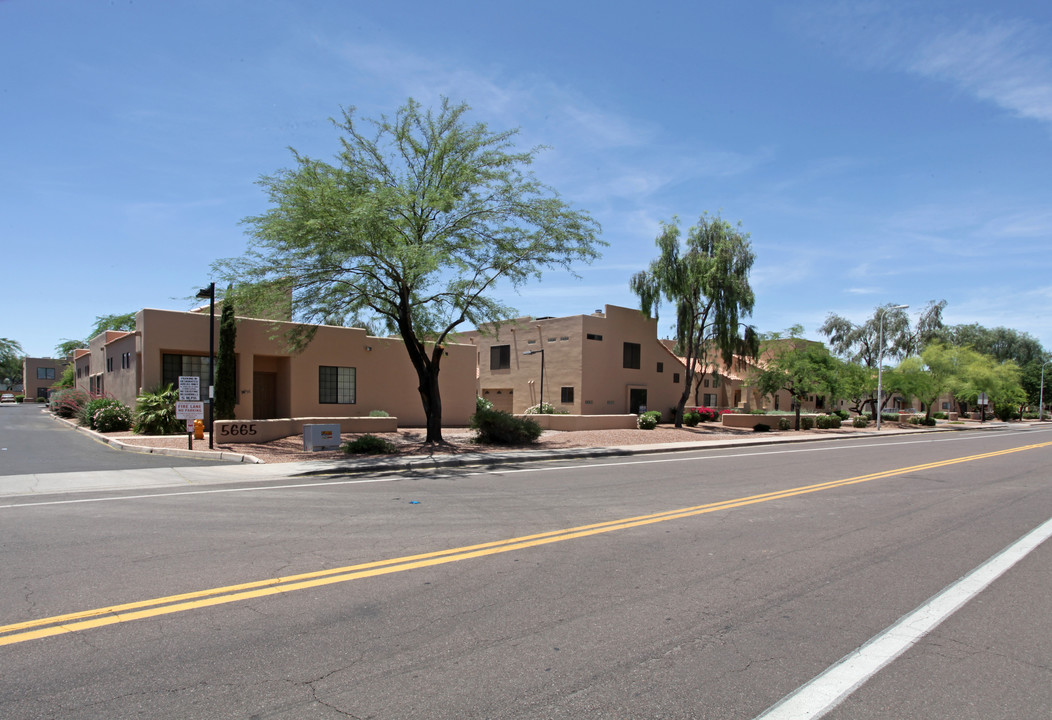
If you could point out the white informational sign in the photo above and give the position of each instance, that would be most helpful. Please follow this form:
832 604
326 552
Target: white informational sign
983 400
189 388
189 410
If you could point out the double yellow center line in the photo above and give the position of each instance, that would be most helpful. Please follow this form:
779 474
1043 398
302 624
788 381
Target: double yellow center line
99 617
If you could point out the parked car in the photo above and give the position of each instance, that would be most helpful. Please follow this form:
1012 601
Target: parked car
7 397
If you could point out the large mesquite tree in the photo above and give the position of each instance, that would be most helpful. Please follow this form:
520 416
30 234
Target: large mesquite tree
706 277
408 232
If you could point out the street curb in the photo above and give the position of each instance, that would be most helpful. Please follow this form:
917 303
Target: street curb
222 456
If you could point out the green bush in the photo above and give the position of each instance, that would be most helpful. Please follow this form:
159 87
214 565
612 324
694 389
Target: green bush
647 421
542 409
806 423
378 413
691 419
842 414
69 402
915 420
929 421
496 427
113 417
155 413
889 417
368 445
41 400
482 403
20 398
785 424
828 422
761 427
860 422
939 415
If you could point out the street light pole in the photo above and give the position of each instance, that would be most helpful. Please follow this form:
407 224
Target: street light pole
210 293
880 360
534 352
1041 403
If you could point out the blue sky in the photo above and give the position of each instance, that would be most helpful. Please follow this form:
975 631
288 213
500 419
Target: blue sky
876 152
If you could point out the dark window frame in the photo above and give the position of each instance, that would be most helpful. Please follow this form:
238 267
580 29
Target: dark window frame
500 357
337 385
632 356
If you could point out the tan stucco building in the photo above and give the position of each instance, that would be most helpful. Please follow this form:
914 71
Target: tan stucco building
39 374
343 372
608 362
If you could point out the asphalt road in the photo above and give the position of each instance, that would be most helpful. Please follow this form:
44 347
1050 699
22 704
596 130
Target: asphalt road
32 441
564 590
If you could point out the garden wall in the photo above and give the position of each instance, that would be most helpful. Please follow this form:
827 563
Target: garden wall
748 420
256 431
583 422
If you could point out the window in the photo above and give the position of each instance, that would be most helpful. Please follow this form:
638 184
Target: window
661 367
109 364
675 377
78 373
706 383
709 399
632 352
173 366
126 360
500 357
567 395
715 380
45 373
593 336
336 385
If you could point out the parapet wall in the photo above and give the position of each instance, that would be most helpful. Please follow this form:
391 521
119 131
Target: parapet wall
256 431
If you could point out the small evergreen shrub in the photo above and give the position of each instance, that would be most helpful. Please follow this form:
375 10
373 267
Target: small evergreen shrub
41 400
368 445
928 421
761 427
915 420
806 423
496 427
940 416
542 409
842 414
20 398
889 417
860 422
378 413
691 419
112 417
647 421
784 424
482 403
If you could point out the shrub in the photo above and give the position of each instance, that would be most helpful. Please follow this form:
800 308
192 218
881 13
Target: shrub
806 423
929 421
828 422
691 419
22 398
482 403
761 427
368 445
69 402
155 413
889 417
939 415
842 414
785 424
378 413
41 400
915 420
647 421
496 427
113 417
542 409
92 407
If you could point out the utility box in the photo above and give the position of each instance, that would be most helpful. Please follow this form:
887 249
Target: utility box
321 437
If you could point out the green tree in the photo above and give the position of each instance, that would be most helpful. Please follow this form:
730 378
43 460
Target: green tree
125 322
706 277
11 357
65 347
865 344
1003 344
802 368
226 362
410 231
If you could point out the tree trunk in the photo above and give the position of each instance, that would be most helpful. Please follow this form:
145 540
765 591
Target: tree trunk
432 401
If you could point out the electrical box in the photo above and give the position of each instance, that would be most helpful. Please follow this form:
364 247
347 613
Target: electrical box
321 437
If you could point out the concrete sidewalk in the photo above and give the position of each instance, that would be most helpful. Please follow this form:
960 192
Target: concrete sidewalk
207 475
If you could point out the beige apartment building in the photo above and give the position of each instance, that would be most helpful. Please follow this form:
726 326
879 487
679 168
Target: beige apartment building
343 372
39 374
608 362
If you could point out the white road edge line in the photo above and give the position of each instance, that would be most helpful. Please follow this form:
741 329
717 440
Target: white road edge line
817 697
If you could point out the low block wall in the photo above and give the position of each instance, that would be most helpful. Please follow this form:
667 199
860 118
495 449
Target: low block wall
255 431
746 420
569 423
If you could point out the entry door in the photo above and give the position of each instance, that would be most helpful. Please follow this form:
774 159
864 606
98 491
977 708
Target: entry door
264 395
637 397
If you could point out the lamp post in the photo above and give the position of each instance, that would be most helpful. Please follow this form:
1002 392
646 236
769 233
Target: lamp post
534 352
1041 402
210 293
880 360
